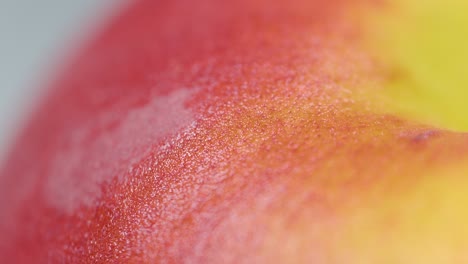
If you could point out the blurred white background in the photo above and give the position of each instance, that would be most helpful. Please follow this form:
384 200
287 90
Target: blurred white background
34 34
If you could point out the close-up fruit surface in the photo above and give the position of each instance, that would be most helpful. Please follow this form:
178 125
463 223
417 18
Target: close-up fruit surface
250 131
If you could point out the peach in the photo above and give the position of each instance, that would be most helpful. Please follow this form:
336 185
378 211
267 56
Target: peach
245 132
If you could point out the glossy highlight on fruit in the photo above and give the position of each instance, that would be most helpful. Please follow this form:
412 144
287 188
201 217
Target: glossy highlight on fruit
245 132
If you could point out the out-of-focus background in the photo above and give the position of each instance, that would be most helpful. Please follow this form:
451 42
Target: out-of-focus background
35 37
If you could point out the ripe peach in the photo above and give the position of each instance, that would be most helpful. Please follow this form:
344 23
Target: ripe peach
240 132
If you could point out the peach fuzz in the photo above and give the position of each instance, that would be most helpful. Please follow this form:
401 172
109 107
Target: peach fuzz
235 132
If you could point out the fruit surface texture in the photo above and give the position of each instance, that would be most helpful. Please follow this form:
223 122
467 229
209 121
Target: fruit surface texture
250 131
